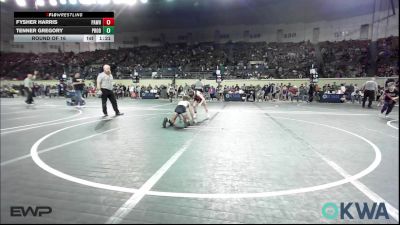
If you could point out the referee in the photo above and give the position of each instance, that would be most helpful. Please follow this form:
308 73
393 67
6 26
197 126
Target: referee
104 83
370 91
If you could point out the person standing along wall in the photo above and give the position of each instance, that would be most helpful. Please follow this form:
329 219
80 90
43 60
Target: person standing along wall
78 86
311 91
199 86
28 85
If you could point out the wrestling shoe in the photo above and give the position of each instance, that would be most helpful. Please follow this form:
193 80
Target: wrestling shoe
164 124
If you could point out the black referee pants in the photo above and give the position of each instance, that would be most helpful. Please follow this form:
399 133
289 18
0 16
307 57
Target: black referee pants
108 94
370 95
29 96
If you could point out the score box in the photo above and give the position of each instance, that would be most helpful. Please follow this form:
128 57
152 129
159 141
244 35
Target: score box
89 38
108 30
105 38
108 21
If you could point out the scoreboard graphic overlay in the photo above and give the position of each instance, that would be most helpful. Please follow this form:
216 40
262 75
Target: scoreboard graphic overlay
64 26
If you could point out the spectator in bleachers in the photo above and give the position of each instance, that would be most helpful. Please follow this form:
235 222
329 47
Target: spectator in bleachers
261 60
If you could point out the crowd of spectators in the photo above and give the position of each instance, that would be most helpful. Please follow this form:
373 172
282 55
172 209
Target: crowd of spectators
388 57
269 92
345 58
9 91
288 92
255 60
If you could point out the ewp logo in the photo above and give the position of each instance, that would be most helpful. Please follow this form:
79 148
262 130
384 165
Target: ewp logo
35 211
331 211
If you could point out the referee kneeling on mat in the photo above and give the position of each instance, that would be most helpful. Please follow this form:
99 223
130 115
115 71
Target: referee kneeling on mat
105 85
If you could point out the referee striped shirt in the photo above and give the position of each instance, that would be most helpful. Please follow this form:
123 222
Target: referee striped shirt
106 81
28 83
371 85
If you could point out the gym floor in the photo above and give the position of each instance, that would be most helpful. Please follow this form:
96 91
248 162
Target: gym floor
249 163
